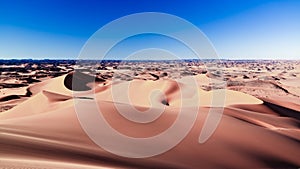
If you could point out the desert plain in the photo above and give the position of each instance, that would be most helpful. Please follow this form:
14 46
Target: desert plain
259 125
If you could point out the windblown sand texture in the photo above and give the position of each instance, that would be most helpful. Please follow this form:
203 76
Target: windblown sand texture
259 127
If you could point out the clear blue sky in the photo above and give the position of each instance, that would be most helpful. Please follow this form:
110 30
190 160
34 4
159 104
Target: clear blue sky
254 29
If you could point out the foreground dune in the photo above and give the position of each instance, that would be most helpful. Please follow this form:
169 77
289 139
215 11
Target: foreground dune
44 131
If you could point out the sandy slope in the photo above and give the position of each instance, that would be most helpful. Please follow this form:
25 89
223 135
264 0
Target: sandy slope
44 131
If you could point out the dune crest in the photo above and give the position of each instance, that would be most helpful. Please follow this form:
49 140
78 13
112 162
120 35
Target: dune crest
45 131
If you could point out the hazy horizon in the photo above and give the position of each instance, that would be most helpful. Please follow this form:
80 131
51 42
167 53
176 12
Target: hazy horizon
236 59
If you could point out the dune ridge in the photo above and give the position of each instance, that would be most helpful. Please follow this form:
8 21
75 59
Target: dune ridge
44 131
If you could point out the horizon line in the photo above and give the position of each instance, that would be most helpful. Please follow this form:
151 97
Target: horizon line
60 59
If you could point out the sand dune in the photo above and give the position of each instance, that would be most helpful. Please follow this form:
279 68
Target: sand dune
44 131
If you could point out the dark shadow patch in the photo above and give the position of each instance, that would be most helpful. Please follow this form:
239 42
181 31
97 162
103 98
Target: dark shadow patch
28 93
78 81
154 75
283 111
165 102
279 164
10 97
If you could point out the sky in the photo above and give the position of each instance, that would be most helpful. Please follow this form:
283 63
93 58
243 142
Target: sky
55 29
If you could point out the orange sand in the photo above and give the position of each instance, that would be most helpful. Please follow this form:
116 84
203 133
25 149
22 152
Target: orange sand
44 131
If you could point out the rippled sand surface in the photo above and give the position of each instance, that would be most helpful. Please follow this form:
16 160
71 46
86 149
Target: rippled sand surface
254 132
